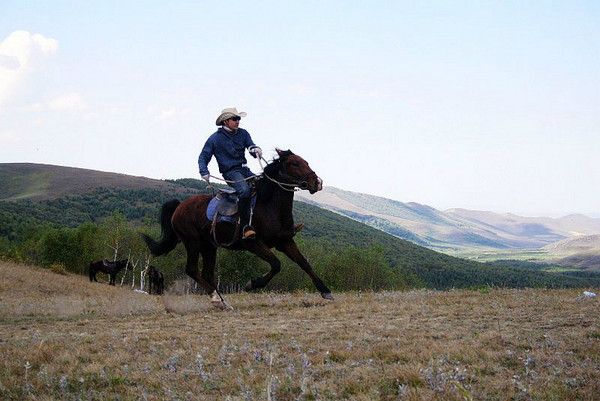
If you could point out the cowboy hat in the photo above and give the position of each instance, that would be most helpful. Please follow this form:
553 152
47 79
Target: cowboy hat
228 113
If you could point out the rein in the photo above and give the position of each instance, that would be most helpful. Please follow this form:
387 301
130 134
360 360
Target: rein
232 182
290 187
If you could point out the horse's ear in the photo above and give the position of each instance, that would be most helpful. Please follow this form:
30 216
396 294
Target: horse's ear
283 153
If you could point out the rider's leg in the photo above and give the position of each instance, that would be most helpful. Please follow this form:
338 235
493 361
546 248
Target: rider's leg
244 206
244 192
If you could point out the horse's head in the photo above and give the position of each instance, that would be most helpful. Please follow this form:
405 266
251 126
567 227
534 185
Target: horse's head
295 170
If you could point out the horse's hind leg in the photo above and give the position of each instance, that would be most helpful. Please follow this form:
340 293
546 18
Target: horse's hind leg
263 252
291 250
209 257
209 260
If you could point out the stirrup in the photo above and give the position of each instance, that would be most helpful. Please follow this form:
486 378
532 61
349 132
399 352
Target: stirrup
248 233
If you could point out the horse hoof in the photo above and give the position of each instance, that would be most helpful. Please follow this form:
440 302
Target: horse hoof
218 304
327 295
222 305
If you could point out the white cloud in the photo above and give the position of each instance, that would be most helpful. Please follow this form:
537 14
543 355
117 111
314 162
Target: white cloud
70 102
20 54
9 62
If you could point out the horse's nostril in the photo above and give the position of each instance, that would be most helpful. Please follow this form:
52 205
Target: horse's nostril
304 185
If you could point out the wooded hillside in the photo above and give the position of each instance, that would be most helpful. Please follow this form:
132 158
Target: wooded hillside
105 223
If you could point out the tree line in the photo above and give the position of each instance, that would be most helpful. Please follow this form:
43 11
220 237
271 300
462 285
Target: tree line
73 248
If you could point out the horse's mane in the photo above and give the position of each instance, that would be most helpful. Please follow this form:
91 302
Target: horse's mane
272 168
264 186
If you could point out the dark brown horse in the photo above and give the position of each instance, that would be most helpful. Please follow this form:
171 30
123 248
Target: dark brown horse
272 219
156 281
107 267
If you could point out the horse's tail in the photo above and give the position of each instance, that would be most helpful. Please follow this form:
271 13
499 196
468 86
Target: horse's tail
168 239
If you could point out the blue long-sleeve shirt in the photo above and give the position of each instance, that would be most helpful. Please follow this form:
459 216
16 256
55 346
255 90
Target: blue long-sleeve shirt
228 148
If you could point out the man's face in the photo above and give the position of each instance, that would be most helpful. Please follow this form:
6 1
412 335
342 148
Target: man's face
232 123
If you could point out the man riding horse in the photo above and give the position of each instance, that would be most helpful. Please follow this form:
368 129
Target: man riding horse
228 145
188 221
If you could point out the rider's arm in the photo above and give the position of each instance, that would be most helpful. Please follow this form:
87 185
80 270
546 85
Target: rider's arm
205 155
254 150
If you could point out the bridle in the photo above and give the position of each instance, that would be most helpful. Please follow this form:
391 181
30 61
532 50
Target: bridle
292 183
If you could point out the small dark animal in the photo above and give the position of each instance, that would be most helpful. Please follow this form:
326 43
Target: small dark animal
107 267
273 220
156 281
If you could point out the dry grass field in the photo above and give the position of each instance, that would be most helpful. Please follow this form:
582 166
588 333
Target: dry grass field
62 337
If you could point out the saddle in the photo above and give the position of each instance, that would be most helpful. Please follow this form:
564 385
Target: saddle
223 207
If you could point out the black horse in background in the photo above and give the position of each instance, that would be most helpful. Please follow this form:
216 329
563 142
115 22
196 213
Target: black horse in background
156 281
273 220
107 267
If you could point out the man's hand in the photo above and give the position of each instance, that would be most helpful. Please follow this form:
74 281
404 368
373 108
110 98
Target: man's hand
256 152
206 177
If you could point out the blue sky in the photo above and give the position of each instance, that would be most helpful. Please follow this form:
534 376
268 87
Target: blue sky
480 105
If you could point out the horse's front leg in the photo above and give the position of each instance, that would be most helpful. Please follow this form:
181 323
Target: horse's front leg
262 251
291 250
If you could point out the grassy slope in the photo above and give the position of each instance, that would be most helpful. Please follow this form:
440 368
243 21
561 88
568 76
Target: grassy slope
42 181
66 338
15 186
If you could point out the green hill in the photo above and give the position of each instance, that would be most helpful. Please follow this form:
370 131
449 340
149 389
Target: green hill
327 233
44 181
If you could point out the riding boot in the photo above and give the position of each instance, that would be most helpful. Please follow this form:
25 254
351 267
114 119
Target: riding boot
244 205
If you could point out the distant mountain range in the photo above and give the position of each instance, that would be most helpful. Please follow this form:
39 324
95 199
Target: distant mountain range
584 243
453 229
582 252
